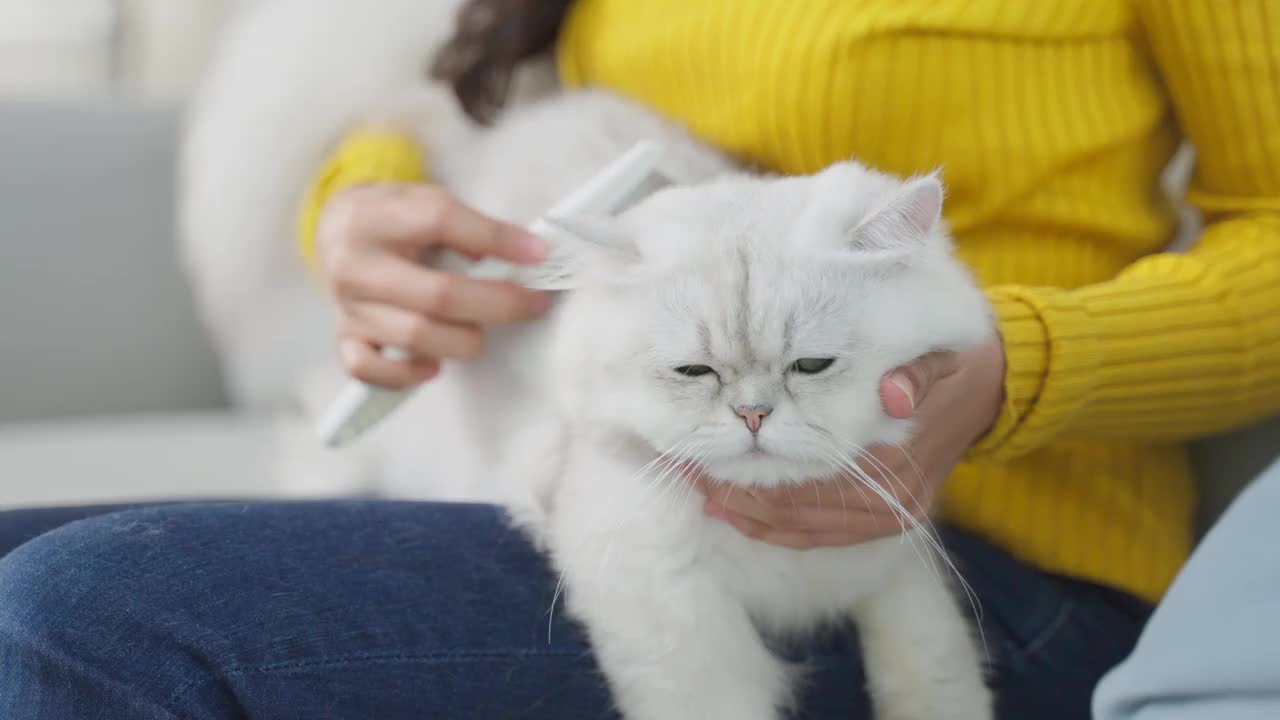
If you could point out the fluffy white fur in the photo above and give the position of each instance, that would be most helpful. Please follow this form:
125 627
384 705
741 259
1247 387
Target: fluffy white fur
574 422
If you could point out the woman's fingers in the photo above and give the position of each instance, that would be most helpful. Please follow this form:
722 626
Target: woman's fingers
835 512
797 539
391 280
445 222
365 362
420 337
851 513
413 218
371 239
792 514
374 235
904 388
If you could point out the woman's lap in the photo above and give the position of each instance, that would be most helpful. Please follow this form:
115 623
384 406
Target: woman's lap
354 609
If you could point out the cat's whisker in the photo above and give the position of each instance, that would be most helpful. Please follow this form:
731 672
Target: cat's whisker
890 475
854 474
835 460
899 510
924 520
906 521
672 463
905 517
695 454
669 461
911 461
830 450
858 478
662 460
729 493
690 487
887 472
857 475
929 534
657 488
551 611
929 557
665 461
673 472
844 508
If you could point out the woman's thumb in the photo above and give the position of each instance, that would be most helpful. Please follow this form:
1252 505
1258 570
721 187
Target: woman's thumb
904 388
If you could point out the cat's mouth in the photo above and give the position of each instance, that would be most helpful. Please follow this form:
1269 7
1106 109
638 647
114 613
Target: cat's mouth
757 451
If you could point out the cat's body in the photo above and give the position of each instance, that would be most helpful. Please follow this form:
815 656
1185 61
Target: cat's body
566 421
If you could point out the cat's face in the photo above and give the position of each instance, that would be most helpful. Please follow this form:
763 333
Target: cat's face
751 321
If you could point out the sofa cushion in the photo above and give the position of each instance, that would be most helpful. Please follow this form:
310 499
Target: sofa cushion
137 457
96 316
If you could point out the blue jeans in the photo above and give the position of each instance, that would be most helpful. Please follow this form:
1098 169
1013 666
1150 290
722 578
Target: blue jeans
351 609
1212 650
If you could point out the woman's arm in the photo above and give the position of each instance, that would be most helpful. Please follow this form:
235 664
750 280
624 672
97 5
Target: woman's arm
287 82
1177 345
364 157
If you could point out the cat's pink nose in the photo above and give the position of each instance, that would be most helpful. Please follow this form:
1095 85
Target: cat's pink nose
753 415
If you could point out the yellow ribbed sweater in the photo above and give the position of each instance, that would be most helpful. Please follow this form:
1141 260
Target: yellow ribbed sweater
1052 121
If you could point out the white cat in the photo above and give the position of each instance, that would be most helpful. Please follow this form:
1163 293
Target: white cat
740 323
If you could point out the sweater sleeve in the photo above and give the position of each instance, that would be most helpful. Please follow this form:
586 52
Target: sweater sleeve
364 156
1177 345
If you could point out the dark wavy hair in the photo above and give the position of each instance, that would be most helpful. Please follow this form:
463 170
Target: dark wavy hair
490 39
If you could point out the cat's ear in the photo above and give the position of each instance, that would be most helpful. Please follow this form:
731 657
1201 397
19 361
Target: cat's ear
903 221
582 249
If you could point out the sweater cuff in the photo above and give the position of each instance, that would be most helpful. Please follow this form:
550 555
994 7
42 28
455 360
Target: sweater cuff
369 156
1051 361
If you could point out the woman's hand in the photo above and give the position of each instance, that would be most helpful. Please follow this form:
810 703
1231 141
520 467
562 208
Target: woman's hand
954 399
370 241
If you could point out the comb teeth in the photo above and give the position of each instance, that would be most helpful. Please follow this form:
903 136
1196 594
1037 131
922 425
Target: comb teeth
652 183
556 271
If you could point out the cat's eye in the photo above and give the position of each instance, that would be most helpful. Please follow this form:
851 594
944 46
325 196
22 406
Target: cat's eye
694 370
812 366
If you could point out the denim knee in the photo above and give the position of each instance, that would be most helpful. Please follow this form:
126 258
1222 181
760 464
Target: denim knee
47 588
86 630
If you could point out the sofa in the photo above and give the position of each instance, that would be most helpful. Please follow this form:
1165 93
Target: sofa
109 390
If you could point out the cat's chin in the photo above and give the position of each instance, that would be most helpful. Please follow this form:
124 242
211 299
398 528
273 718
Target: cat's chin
763 469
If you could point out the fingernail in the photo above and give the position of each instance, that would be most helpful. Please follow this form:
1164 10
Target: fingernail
903 384
532 247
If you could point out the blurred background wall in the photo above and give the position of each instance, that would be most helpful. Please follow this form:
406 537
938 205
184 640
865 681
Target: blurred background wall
79 49
109 390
